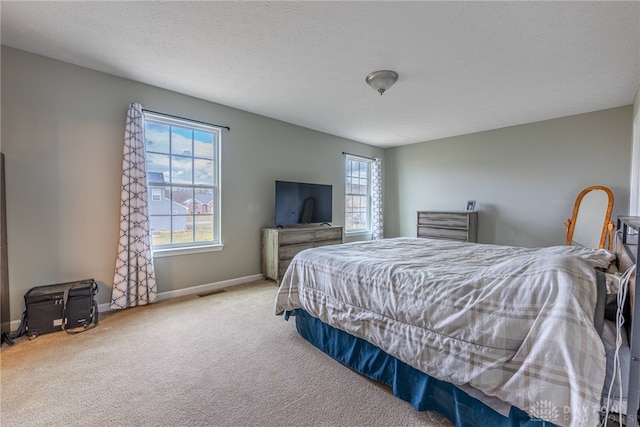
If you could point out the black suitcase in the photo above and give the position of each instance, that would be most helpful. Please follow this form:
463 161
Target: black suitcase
64 306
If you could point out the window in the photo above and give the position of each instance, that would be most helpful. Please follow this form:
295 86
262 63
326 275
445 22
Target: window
358 194
183 177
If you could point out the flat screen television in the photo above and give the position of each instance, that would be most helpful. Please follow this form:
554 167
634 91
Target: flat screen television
302 203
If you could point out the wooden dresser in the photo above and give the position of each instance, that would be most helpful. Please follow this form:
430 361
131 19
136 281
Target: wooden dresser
448 225
280 245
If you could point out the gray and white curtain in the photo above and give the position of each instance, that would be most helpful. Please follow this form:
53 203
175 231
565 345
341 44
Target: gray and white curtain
376 195
134 281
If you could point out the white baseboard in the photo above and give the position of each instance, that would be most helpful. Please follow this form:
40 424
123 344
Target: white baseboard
15 324
103 308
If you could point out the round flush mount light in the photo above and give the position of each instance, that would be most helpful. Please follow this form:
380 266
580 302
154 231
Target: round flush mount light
382 80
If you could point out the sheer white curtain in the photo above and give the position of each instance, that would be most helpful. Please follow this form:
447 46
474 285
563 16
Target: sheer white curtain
376 196
134 281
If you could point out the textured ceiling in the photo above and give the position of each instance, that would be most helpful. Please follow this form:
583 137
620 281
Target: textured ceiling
464 66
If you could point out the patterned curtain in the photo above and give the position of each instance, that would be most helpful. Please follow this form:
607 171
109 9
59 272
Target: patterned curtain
134 281
376 190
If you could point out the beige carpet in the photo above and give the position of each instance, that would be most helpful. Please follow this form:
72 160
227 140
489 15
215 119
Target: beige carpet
219 360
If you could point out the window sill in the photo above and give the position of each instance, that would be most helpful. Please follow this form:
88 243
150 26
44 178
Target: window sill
161 253
358 232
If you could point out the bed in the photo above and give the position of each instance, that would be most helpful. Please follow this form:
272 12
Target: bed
483 334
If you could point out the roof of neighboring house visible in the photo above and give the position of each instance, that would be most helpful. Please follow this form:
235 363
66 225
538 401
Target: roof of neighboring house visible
156 177
202 198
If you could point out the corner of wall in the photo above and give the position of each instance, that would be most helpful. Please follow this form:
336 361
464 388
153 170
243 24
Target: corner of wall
636 104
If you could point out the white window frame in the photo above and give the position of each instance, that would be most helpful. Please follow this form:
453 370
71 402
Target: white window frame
634 201
351 231
194 246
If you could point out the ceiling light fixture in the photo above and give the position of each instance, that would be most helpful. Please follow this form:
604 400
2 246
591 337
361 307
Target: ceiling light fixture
382 80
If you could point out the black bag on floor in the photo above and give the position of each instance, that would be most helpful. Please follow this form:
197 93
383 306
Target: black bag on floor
64 306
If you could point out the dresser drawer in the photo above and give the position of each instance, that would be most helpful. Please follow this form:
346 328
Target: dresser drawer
444 219
297 236
327 242
442 233
289 251
328 234
282 266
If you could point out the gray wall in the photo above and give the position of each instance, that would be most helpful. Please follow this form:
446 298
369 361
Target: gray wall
62 135
525 178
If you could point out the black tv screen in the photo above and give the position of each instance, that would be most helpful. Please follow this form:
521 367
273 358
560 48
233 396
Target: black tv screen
301 203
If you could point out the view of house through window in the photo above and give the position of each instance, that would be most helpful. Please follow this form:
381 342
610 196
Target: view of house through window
358 194
183 173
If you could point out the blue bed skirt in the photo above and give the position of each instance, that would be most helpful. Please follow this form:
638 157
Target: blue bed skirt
419 389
